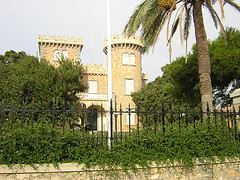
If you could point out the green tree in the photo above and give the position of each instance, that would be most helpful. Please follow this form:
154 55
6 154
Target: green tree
184 79
225 60
27 79
182 82
151 15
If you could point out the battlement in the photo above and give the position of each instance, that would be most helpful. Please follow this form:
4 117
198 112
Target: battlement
134 42
60 39
96 69
115 39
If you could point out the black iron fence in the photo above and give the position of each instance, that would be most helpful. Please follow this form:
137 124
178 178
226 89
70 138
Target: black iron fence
114 125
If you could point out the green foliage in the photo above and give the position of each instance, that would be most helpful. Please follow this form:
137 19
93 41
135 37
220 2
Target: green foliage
180 80
225 59
209 141
184 79
24 78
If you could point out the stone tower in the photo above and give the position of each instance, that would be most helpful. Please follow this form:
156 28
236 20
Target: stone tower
126 71
53 48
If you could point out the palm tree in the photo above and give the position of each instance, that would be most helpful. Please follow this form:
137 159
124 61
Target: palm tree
151 15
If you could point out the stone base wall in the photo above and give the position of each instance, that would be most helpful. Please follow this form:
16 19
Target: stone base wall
229 170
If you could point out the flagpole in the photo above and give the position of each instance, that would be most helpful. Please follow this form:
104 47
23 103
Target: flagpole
109 55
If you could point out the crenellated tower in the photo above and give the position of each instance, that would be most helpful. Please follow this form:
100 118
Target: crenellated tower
126 70
53 48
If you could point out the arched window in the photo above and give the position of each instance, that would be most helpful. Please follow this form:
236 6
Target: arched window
125 58
65 54
132 59
56 55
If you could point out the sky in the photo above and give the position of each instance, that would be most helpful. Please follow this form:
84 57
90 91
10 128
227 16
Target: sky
23 20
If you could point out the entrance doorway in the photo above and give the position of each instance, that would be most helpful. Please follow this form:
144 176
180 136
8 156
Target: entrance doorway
92 114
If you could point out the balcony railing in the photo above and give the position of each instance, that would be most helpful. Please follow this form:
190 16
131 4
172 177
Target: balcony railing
95 96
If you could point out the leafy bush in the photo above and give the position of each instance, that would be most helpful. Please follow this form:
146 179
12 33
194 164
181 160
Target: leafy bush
207 141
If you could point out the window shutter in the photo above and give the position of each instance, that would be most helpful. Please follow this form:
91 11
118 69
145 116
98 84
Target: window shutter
92 86
65 54
129 86
132 59
125 58
56 55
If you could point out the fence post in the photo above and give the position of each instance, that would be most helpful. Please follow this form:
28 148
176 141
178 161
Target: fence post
201 114
208 115
228 120
138 119
163 117
102 124
53 115
235 123
1 117
111 123
146 115
43 110
186 116
85 117
194 118
129 119
64 112
11 115
121 122
171 114
74 115
32 113
115 118
179 118
23 111
215 116
155 120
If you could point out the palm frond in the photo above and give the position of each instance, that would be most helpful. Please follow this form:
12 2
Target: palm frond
181 24
151 15
221 26
187 26
135 20
174 28
221 8
233 4
187 21
151 33
164 17
211 10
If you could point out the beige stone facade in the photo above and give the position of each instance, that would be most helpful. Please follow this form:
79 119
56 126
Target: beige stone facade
127 74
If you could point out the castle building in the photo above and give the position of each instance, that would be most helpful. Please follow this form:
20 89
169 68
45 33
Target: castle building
127 76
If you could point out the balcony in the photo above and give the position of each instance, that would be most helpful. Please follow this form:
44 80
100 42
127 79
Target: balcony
87 96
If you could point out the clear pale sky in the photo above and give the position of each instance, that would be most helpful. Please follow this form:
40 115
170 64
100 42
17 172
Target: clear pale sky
23 20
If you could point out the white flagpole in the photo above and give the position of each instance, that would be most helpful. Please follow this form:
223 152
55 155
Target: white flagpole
109 68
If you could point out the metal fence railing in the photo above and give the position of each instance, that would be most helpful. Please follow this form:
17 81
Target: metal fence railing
123 122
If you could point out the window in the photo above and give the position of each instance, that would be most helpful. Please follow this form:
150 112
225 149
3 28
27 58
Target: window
128 59
132 59
129 86
125 58
92 86
56 55
131 116
65 54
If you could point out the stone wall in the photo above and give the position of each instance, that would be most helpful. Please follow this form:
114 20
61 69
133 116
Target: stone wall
229 170
236 98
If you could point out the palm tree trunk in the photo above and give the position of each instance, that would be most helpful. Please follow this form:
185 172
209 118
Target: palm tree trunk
204 66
